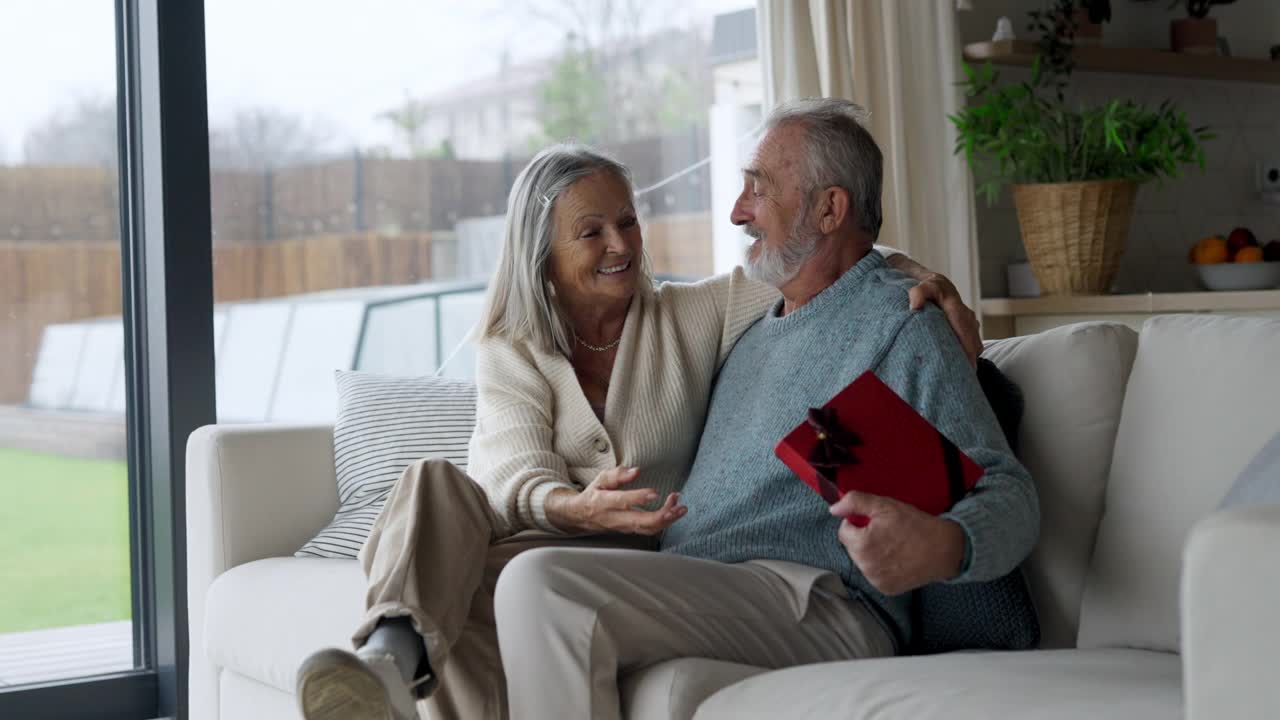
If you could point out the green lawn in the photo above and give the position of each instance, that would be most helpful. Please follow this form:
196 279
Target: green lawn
64 541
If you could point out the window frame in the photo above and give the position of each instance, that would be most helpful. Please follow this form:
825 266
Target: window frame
167 303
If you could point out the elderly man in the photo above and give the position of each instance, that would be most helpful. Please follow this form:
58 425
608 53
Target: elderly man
761 571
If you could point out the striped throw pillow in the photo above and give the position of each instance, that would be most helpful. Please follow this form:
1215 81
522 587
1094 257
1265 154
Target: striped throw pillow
385 424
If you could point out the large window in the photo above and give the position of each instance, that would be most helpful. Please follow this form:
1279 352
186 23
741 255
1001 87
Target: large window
65 591
359 160
360 164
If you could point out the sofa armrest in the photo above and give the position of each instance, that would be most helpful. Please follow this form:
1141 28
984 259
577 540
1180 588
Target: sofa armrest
253 492
1230 617
256 491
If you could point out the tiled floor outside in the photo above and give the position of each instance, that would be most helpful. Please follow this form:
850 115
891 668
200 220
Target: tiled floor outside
44 655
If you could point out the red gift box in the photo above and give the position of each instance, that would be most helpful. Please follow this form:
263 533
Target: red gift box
870 440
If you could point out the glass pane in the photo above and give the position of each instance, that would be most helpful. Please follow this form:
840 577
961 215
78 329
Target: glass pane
387 349
64 513
358 187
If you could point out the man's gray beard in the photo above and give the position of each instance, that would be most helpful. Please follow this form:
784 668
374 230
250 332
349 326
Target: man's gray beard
778 266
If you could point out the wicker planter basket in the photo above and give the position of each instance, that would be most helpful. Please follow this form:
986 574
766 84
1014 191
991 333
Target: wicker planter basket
1075 232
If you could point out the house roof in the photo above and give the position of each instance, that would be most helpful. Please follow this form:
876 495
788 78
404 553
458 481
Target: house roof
733 37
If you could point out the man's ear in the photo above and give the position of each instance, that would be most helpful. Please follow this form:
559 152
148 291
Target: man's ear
833 209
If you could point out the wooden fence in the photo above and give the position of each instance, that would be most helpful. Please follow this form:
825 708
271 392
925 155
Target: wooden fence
45 284
42 285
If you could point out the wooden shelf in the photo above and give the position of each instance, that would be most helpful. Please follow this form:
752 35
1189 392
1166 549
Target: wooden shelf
1149 303
1136 61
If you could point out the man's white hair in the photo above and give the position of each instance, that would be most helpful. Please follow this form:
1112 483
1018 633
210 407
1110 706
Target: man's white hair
838 151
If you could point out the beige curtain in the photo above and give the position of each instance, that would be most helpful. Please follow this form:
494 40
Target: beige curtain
899 59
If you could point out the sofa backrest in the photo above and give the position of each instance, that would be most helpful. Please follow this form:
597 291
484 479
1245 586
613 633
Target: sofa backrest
1072 381
1202 400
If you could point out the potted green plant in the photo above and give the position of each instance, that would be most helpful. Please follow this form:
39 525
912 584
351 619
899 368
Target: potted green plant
1074 170
1196 34
1089 17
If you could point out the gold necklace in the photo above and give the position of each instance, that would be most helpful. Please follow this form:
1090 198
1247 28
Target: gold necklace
596 348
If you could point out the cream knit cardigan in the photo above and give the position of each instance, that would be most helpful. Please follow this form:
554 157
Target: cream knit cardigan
536 432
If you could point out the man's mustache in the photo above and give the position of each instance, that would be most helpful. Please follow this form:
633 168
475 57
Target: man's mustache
753 232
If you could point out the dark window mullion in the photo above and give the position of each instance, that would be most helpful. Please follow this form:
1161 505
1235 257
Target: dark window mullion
126 696
171 299
133 290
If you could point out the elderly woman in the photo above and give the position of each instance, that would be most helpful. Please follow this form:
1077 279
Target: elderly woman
592 389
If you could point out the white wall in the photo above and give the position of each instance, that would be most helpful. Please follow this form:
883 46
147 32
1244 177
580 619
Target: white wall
1168 220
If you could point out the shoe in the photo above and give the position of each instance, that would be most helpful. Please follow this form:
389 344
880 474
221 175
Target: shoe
336 684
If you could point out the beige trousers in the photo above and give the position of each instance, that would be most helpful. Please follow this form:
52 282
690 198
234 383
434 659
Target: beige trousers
571 622
434 556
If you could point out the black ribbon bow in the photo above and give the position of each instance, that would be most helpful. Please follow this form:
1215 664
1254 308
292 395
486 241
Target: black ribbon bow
835 443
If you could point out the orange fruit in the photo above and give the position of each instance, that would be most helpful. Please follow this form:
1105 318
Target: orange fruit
1211 250
1249 254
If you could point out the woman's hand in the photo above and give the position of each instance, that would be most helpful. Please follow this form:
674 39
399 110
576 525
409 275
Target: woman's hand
603 506
939 290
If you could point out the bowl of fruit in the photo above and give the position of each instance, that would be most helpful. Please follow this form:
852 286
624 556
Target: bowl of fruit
1237 262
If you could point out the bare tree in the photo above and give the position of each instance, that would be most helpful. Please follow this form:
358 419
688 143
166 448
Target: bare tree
623 58
602 24
263 138
81 133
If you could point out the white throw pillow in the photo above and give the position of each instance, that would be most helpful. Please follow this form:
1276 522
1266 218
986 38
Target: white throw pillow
1072 380
385 424
1200 402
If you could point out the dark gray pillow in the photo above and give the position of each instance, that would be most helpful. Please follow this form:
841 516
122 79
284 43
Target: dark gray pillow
1259 484
994 615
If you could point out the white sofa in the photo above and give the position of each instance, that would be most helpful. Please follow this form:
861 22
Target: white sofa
1153 604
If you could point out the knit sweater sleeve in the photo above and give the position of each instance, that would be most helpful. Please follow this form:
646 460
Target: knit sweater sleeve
512 452
741 302
1001 516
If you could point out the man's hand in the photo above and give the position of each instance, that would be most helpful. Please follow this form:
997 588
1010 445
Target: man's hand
939 290
901 548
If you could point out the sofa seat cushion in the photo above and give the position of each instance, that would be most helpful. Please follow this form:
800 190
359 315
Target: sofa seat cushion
1044 684
262 619
240 698
674 689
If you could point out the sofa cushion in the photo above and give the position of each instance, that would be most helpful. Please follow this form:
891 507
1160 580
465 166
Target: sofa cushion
1072 380
1259 484
264 618
1201 400
384 424
1042 684
674 689
240 698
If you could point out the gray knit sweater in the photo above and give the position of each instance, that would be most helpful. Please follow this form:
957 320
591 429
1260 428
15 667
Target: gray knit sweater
745 504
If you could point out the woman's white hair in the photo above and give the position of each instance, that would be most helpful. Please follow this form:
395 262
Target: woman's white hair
521 304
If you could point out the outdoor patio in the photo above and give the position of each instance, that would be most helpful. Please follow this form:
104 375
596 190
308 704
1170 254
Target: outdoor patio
80 651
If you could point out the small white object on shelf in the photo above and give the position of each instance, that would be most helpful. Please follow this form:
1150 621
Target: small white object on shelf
1240 276
1004 30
